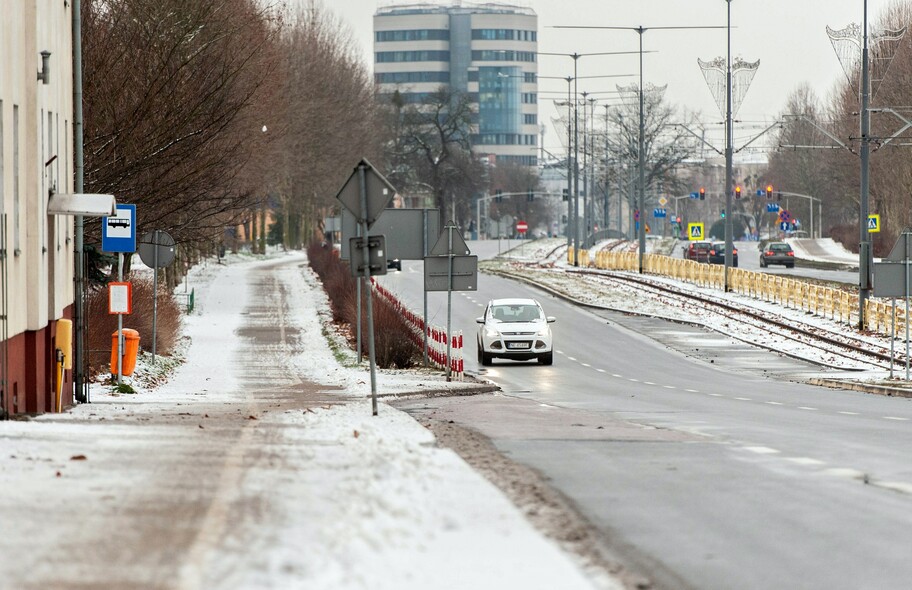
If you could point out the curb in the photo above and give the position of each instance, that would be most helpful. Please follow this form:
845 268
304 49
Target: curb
862 387
441 392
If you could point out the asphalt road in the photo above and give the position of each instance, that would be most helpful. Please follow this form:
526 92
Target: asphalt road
698 459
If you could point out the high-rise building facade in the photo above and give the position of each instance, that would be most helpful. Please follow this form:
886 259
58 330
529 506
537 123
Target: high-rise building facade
488 51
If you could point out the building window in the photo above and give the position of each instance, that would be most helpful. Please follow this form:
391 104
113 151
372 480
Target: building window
412 77
530 119
413 35
521 160
502 55
529 98
410 56
503 35
16 245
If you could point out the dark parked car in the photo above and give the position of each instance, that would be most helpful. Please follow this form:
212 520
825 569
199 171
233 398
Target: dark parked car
777 253
394 264
698 251
717 254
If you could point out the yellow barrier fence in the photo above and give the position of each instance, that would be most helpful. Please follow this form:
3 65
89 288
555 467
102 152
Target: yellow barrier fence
827 302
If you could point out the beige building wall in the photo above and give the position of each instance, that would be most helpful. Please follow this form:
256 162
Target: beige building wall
36 156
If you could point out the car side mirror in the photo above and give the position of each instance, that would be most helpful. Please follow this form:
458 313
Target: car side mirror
479 320
551 319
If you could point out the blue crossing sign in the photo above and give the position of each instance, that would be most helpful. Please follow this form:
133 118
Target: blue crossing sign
118 232
873 223
660 212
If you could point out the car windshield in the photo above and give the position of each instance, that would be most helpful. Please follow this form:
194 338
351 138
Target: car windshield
780 247
516 313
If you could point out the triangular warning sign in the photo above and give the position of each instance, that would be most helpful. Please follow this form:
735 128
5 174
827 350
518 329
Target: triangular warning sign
442 247
902 249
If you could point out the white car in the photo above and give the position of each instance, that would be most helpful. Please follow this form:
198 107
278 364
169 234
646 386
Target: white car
514 329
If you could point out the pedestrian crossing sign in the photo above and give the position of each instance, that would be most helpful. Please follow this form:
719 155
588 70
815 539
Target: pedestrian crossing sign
695 231
873 223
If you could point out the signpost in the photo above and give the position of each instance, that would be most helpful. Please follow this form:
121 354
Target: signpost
366 194
522 227
450 252
156 250
118 234
891 279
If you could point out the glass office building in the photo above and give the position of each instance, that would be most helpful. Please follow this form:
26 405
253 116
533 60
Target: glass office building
485 50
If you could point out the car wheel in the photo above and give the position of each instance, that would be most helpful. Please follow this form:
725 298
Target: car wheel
789 266
546 359
486 359
480 354
762 264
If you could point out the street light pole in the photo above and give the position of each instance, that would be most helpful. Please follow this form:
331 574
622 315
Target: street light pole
728 154
864 250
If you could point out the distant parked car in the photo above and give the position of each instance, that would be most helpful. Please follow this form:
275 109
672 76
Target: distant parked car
394 264
777 253
698 251
717 254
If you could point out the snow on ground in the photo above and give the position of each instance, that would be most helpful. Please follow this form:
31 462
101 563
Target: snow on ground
374 503
822 250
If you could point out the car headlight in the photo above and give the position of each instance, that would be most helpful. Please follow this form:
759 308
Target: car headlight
491 333
545 331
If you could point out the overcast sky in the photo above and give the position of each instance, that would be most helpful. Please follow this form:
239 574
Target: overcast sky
787 36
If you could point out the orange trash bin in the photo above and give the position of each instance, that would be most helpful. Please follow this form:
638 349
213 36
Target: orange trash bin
131 350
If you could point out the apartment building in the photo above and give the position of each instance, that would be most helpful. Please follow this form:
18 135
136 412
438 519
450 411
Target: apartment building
486 50
36 158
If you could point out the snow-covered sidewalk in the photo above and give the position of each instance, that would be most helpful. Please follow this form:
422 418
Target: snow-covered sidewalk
331 496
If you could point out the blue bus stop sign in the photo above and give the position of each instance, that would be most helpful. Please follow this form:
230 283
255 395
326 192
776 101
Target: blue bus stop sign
118 232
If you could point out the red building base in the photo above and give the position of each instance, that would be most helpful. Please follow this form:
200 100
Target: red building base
31 379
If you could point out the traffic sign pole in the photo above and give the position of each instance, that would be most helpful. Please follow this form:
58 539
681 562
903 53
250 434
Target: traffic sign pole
362 178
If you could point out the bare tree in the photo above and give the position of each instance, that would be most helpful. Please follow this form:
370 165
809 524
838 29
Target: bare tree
174 94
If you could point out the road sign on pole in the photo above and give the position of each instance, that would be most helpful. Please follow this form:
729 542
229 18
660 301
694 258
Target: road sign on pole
366 194
521 227
118 232
156 250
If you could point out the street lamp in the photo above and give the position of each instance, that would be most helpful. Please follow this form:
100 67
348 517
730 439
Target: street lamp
575 78
642 157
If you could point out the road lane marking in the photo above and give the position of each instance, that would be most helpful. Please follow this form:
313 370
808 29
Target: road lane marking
762 450
648 382
849 413
616 375
634 380
744 399
894 418
774 403
669 387
570 358
601 370
807 408
691 391
715 394
844 472
547 406
586 364
804 461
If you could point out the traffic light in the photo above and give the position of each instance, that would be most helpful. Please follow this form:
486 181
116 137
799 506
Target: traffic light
702 193
530 195
722 215
769 191
678 220
778 195
738 192
566 195
498 195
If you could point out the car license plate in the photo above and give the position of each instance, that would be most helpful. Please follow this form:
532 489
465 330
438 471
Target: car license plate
517 345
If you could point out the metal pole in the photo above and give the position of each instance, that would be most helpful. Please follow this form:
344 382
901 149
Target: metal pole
425 252
449 299
365 255
864 251
892 336
728 157
586 200
120 338
154 292
576 224
642 162
79 357
569 169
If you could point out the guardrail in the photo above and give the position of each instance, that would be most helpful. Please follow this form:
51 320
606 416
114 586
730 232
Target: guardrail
827 302
437 336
